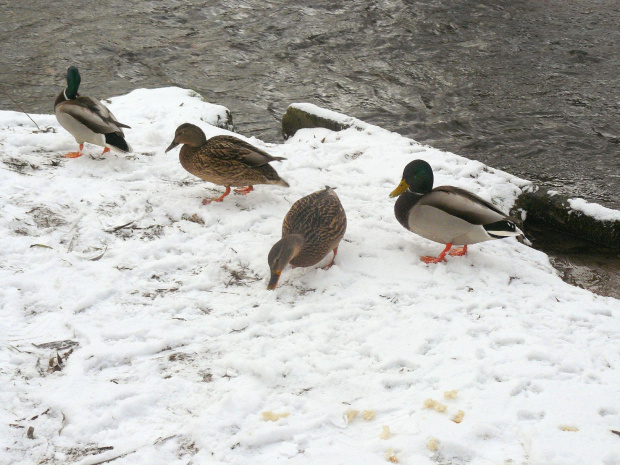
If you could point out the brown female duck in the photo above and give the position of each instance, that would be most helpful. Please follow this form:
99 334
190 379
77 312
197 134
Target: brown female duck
312 228
224 160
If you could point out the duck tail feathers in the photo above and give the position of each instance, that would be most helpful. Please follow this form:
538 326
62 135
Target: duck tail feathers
282 182
116 142
501 229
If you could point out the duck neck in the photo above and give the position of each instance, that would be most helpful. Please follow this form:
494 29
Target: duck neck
198 140
292 243
188 160
405 202
289 247
61 98
422 184
73 83
71 90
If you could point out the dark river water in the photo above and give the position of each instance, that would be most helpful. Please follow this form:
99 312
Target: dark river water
531 87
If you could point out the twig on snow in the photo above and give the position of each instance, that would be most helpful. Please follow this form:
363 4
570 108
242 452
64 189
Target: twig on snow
20 107
16 171
113 458
98 257
119 227
239 330
62 425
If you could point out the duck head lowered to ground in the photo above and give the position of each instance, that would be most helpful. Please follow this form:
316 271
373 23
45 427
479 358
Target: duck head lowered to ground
313 227
446 214
224 160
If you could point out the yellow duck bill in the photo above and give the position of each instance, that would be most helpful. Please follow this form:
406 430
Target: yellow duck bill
402 187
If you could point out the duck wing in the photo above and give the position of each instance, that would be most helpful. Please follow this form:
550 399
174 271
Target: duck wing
232 148
92 114
317 214
463 204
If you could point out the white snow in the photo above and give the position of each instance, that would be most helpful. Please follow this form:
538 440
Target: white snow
330 115
594 210
181 349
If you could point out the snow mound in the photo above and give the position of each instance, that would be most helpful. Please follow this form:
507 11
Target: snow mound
594 210
136 324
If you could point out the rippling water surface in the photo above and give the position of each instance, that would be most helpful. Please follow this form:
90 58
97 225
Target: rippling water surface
526 86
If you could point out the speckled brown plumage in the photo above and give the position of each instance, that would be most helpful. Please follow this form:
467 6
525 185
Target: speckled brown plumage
228 161
320 219
224 160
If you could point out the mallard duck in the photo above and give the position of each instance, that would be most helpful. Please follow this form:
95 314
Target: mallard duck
224 160
312 228
87 119
448 215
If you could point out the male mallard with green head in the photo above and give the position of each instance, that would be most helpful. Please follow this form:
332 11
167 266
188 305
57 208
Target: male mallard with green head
87 119
448 215
224 160
312 228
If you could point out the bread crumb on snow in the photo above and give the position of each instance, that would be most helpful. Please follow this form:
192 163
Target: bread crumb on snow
458 417
350 415
569 428
432 444
391 456
385 432
450 394
273 416
368 415
433 404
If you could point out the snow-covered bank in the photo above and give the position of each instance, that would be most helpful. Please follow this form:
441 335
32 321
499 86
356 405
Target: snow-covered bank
538 206
177 349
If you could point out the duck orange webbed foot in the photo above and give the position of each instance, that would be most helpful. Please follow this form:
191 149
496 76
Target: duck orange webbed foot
75 154
217 199
72 155
244 190
440 258
458 252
